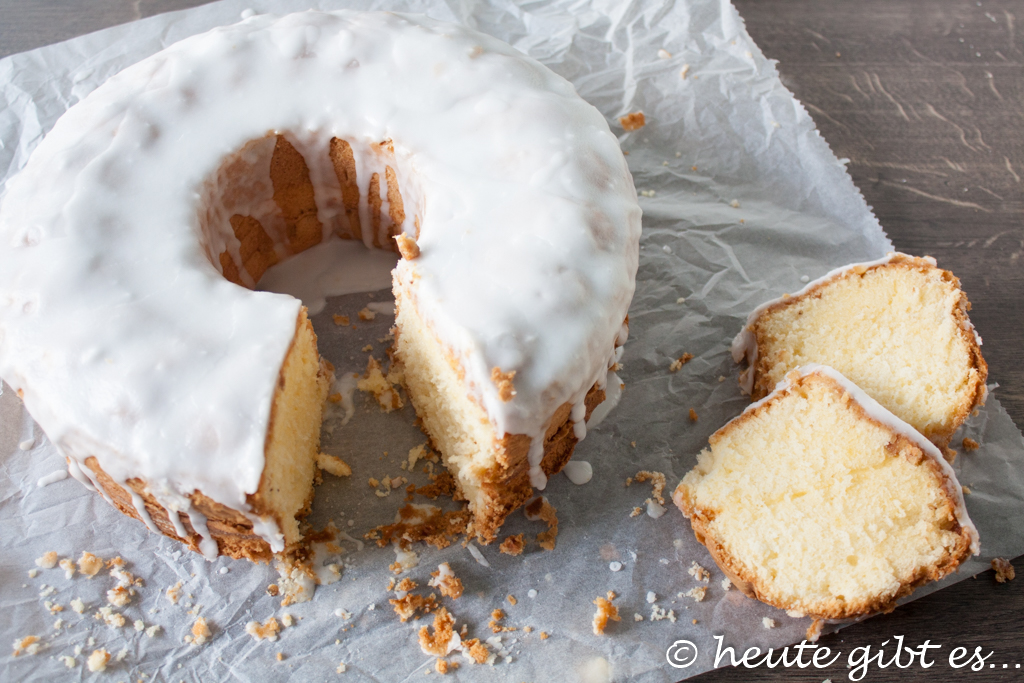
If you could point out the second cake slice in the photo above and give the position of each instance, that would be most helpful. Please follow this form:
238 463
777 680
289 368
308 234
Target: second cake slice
819 501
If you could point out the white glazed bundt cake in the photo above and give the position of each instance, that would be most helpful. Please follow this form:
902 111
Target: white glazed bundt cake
194 403
896 327
819 501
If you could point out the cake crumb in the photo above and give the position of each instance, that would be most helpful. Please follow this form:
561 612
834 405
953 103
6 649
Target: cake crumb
971 444
48 560
661 614
89 564
368 348
407 606
678 363
495 623
272 590
367 314
446 582
68 565
768 623
606 612
342 668
541 509
174 593
657 480
503 380
111 618
476 651
444 639
139 625
153 631
268 630
382 387
340 319
512 545
29 645
637 511
416 453
120 596
511 599
69 662
78 605
201 631
638 617
33 573
407 246
726 584
693 415
684 72
698 572
1003 569
634 121
333 464
98 660
814 631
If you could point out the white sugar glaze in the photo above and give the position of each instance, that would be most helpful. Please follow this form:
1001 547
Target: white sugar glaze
130 346
876 411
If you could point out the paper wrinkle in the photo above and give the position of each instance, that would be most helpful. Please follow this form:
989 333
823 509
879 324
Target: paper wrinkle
749 140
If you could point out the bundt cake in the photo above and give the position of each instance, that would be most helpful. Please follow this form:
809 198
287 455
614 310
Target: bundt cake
896 327
819 501
136 233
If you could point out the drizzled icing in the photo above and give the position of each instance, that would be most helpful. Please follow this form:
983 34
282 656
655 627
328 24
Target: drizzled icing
130 346
879 413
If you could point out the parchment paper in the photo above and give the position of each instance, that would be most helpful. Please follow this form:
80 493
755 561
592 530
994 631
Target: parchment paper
742 198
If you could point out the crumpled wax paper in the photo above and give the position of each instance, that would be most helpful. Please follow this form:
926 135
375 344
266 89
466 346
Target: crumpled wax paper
742 199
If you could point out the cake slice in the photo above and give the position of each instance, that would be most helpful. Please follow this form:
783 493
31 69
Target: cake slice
818 500
896 327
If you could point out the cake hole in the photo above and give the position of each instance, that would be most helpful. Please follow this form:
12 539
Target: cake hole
311 216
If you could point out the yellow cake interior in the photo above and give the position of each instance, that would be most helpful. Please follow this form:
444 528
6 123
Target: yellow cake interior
458 426
293 440
897 332
821 509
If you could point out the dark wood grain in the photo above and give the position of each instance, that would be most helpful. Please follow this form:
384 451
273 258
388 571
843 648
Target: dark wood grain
926 100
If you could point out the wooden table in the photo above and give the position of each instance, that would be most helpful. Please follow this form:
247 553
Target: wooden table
926 100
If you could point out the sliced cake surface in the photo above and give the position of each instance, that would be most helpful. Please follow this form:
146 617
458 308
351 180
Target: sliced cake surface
896 327
818 500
